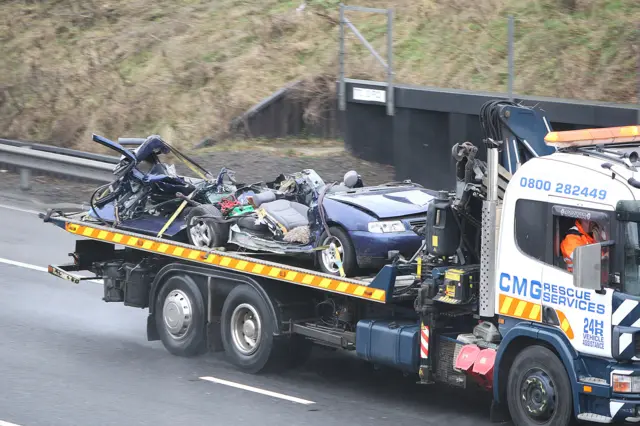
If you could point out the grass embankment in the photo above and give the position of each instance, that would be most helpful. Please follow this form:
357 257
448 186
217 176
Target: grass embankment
184 68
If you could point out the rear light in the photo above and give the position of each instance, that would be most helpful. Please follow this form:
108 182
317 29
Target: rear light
626 384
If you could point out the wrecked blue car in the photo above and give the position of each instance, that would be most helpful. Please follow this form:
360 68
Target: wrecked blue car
366 223
344 227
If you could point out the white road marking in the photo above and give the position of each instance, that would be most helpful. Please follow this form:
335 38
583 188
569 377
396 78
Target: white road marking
27 265
18 209
3 423
23 265
257 390
35 268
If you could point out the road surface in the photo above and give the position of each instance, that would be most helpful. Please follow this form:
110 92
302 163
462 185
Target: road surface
68 358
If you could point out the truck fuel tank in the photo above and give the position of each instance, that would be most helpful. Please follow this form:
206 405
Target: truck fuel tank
390 343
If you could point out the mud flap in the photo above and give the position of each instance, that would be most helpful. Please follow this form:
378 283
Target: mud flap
498 413
152 331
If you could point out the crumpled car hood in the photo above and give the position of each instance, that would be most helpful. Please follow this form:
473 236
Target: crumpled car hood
388 202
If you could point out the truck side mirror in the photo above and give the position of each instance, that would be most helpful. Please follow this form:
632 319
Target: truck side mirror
587 266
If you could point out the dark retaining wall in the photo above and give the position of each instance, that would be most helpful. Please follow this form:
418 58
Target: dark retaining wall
417 140
281 115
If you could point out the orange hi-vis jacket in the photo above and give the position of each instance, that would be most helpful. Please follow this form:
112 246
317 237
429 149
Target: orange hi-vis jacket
575 237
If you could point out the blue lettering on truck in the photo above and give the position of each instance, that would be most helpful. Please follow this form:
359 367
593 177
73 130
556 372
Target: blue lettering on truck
593 333
563 188
574 298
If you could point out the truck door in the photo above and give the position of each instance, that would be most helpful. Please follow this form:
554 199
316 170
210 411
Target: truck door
584 316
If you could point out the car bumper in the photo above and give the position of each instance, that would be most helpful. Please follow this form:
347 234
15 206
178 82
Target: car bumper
372 249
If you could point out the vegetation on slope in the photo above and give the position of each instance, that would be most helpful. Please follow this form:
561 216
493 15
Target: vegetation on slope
183 68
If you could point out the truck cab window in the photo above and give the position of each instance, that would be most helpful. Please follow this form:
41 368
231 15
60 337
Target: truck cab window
530 227
573 228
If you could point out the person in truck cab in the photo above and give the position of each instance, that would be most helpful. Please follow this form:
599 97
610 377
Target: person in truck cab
582 233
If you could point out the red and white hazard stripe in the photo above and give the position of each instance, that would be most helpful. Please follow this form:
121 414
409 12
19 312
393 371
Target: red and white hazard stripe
424 342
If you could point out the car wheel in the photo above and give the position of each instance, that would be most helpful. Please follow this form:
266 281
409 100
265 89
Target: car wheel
203 230
327 260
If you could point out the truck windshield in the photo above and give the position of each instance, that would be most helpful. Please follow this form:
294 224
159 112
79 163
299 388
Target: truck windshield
632 258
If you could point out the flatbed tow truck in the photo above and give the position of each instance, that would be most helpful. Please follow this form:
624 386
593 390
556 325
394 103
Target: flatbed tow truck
486 302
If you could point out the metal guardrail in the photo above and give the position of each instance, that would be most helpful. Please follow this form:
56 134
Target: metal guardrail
64 151
61 161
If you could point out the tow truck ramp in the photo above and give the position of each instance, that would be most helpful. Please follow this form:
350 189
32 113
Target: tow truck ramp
375 289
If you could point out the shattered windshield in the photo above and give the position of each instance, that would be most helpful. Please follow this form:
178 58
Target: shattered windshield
632 258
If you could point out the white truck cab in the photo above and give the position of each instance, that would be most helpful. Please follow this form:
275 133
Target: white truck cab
596 306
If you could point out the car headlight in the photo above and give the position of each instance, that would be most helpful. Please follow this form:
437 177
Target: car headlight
387 226
626 384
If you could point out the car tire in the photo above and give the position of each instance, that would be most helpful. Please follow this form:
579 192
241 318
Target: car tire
538 389
204 232
180 317
348 253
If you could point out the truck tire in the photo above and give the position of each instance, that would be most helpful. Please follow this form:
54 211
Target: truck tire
248 330
538 389
203 230
348 253
180 316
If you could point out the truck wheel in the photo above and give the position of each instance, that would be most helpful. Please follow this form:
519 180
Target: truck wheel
180 316
203 230
247 331
538 389
343 244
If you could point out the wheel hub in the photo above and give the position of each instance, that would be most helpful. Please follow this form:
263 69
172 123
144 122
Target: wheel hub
537 395
246 328
249 329
177 314
200 234
329 258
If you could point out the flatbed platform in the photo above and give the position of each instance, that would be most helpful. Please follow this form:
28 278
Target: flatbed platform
375 288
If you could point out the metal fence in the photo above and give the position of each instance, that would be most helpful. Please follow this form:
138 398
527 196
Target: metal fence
27 157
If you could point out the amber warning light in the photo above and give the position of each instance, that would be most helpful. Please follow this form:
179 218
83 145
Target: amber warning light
590 137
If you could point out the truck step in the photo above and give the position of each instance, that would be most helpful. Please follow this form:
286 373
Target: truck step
326 335
596 418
